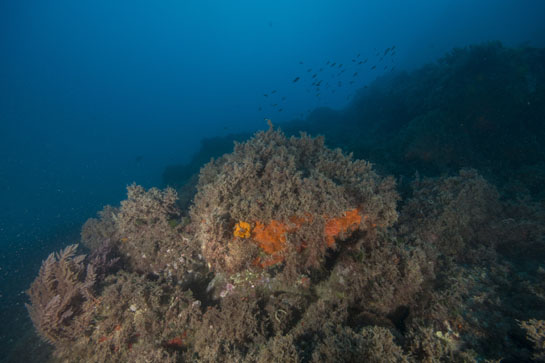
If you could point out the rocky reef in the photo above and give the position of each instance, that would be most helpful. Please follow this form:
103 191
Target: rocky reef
277 199
288 249
296 252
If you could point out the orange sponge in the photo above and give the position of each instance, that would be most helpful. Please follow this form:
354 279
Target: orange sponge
271 237
242 230
335 226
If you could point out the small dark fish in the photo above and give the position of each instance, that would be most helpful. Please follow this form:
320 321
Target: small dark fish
353 61
366 86
358 55
309 70
393 47
360 62
273 91
340 65
301 62
319 83
321 69
333 64
381 58
355 74
279 110
343 70
296 79
284 98
327 62
365 61
314 75
373 67
317 95
274 104
265 95
351 82
386 51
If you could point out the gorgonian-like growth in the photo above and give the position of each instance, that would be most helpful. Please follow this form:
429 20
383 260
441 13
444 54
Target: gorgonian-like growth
61 296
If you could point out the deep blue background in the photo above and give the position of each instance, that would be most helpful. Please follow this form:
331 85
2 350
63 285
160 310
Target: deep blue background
95 95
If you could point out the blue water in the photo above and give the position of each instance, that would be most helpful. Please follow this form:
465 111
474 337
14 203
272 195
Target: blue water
97 95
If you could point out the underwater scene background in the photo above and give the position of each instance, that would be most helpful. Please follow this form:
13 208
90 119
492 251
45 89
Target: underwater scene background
287 181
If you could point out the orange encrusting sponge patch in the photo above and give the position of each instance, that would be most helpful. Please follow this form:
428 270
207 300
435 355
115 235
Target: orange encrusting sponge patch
242 230
335 226
271 237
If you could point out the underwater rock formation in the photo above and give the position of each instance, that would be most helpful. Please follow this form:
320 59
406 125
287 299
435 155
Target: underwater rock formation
316 266
296 252
277 199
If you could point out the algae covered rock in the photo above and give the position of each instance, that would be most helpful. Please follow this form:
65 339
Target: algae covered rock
278 201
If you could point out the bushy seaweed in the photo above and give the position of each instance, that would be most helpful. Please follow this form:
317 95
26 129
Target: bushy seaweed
293 195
